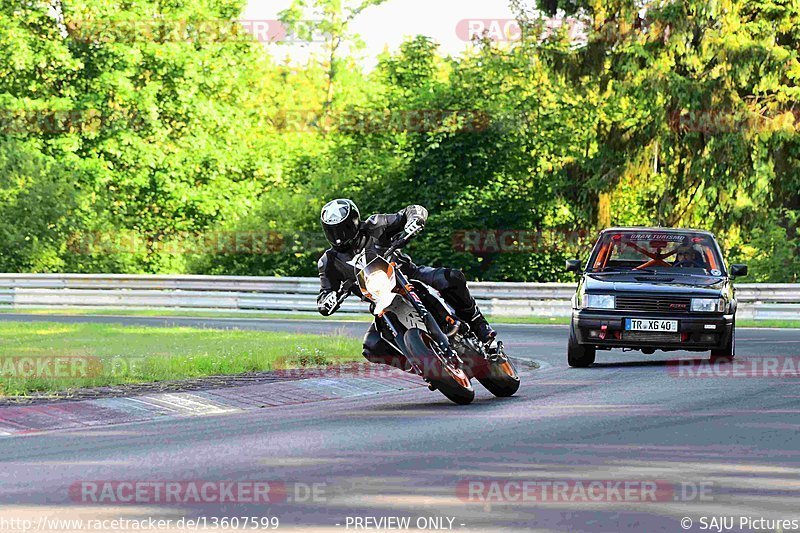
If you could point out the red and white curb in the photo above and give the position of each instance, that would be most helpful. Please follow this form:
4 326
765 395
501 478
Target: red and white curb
28 419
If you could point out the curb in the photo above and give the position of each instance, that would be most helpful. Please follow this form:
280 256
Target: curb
32 419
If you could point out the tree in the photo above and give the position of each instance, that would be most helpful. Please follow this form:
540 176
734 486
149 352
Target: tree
333 23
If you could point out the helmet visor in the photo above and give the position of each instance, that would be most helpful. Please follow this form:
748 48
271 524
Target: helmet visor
342 233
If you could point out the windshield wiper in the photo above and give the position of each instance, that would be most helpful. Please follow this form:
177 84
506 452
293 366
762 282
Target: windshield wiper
706 275
629 272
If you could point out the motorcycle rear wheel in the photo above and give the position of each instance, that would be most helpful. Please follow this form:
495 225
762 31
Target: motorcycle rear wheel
501 379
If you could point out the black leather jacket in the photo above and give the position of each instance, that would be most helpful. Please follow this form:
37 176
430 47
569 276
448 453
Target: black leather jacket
376 234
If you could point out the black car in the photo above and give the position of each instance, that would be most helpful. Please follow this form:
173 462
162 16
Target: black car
653 289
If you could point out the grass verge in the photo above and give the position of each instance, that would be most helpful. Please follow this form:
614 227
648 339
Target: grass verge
176 313
50 357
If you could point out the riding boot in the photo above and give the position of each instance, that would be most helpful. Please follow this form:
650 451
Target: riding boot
473 316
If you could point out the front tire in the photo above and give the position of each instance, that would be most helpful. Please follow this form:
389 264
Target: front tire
728 352
579 355
450 381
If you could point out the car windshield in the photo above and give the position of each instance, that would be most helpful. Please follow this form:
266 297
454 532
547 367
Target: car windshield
652 252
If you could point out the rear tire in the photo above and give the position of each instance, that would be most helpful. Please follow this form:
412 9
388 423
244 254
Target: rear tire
578 355
451 382
502 379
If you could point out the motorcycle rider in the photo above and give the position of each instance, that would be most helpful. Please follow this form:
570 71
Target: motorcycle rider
349 236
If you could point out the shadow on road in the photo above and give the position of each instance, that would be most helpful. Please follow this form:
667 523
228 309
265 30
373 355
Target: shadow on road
661 363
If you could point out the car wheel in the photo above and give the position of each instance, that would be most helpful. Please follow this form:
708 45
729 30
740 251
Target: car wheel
579 356
726 354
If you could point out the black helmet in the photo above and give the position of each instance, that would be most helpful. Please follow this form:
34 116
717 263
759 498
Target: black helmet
341 222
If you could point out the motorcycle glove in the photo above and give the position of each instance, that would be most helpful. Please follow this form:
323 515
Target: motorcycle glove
414 226
327 305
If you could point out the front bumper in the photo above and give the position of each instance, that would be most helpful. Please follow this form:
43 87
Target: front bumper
696 331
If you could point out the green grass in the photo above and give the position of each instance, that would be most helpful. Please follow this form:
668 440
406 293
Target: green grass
77 311
92 355
768 324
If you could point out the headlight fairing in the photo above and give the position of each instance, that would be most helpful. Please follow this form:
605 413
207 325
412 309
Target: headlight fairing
379 284
598 301
708 305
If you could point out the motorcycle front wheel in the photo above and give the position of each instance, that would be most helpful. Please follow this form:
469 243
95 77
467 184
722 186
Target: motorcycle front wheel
450 381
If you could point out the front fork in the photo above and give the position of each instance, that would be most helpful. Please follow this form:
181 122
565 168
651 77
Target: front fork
439 338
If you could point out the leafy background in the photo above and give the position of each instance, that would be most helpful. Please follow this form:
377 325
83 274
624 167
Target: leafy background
682 114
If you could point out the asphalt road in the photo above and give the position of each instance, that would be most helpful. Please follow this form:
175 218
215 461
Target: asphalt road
715 445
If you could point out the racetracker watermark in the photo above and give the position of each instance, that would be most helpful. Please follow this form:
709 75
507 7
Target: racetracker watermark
582 491
159 492
510 30
390 367
480 242
719 121
50 121
42 522
371 121
182 243
194 31
67 366
216 242
752 367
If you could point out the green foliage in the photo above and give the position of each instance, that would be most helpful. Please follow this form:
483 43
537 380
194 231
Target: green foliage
37 209
680 114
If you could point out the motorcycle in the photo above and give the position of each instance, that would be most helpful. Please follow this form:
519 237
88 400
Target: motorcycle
424 330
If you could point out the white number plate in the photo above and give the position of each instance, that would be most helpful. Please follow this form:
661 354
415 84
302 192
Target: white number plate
647 324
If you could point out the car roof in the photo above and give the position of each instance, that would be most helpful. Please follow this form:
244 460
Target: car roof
657 229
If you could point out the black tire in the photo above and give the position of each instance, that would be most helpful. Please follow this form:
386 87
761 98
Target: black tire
726 354
578 355
460 392
502 380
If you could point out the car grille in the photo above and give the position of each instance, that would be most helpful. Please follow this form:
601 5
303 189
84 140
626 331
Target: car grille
661 304
651 336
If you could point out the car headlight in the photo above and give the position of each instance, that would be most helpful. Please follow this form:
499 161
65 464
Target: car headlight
379 284
708 305
598 301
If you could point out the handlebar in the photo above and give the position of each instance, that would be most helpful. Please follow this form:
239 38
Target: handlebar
400 242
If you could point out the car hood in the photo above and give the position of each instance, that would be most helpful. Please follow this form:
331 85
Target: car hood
677 284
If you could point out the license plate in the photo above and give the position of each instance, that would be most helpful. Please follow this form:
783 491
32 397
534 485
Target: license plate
648 324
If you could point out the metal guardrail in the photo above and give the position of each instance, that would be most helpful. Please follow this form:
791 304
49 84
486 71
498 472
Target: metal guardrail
298 295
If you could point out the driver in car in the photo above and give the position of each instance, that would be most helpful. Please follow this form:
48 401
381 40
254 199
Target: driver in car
689 257
348 236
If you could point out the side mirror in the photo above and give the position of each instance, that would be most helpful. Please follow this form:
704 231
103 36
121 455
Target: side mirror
738 271
574 265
